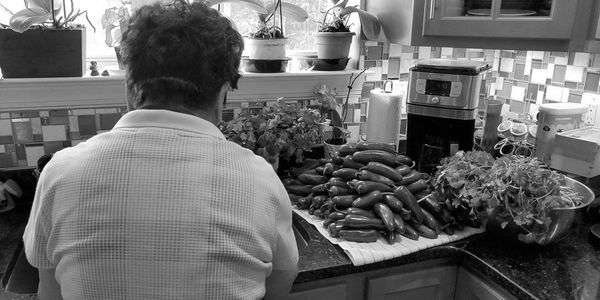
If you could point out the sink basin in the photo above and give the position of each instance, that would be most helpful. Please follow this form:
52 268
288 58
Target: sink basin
301 235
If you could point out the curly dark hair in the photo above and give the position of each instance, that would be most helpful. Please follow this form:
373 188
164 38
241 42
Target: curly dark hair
186 49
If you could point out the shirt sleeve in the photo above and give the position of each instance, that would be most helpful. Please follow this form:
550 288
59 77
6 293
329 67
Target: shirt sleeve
286 250
35 236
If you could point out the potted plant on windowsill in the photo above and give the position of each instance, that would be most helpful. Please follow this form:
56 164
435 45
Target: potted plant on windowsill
114 20
279 133
42 41
334 37
265 46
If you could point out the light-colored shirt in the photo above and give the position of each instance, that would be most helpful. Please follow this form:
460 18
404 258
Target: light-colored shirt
160 207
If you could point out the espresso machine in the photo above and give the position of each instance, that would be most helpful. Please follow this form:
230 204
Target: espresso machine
443 96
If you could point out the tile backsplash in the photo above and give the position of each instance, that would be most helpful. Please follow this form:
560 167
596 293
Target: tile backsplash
522 79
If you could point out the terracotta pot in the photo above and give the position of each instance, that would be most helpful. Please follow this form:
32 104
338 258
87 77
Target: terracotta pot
42 53
333 45
266 49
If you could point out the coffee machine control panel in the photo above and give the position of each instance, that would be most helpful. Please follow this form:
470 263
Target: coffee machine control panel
439 87
444 90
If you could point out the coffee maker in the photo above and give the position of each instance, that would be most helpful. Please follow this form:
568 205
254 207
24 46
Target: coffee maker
443 96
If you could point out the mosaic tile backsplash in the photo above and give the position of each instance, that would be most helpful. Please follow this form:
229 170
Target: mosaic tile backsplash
523 79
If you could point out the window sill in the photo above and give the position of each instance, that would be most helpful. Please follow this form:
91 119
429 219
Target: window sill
109 91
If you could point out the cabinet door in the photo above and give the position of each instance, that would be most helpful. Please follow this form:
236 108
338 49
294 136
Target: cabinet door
535 19
471 287
432 283
333 292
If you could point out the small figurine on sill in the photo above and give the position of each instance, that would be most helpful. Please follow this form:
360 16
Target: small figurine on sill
94 68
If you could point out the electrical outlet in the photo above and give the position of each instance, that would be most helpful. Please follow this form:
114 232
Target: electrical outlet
590 116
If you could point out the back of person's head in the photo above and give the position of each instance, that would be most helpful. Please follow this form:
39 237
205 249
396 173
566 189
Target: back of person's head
180 51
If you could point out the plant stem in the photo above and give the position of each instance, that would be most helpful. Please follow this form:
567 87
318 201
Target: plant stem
65 9
350 85
6 9
53 16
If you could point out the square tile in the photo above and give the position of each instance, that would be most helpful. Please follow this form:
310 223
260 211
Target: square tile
591 81
374 52
34 152
59 120
574 74
82 112
30 114
574 98
108 121
581 59
4 115
395 50
507 65
20 150
53 147
54 133
518 93
2 149
6 139
22 131
87 125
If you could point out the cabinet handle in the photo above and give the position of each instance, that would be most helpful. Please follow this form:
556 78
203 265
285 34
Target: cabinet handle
432 9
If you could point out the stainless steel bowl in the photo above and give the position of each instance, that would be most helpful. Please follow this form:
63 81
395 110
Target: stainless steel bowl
562 220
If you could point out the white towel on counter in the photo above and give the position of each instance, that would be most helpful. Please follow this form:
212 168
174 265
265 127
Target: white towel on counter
368 253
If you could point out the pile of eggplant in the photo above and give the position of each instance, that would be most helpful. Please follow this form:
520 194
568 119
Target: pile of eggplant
368 190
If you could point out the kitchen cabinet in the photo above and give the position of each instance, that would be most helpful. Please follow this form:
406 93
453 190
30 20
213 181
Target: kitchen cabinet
435 283
550 25
432 279
477 287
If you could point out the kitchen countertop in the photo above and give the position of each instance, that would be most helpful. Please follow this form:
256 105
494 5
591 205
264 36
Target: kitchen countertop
569 269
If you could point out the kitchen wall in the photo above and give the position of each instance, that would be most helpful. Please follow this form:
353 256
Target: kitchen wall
522 79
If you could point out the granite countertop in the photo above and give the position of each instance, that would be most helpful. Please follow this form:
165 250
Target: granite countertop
569 269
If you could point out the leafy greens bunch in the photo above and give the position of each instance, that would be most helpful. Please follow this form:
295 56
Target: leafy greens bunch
522 187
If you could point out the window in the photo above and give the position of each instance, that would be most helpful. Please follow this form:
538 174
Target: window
300 35
95 46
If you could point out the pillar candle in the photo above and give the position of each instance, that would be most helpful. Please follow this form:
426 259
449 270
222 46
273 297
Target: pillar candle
383 119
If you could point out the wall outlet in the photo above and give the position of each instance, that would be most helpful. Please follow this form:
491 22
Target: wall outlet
591 117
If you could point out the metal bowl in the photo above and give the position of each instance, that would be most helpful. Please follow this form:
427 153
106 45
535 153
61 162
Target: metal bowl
562 220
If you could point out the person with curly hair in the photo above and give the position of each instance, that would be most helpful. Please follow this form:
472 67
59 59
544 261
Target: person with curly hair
163 206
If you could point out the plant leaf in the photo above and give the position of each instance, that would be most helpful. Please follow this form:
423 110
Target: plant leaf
340 3
369 23
24 19
291 11
43 4
257 5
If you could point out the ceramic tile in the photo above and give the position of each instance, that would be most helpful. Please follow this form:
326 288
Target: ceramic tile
108 121
2 149
54 133
574 98
53 147
106 111
518 93
5 127
424 53
458 53
34 152
15 115
8 160
395 50
30 114
507 65
59 120
82 112
581 59
22 131
374 52
384 67
519 71
87 125
36 125
446 52
59 113
6 139
591 82
559 73
44 113
574 74
20 150
393 68
4 115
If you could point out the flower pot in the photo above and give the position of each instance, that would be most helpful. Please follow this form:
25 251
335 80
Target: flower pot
333 45
42 53
265 48
330 149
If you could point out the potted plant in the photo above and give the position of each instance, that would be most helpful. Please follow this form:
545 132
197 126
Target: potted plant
334 37
42 41
113 22
280 132
265 46
337 136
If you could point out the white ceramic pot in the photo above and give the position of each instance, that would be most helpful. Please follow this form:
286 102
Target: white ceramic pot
268 49
333 45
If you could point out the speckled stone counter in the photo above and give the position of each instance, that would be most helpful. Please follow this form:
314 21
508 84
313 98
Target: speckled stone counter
569 269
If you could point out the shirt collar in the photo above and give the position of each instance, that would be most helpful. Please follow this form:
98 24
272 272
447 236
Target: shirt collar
168 119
